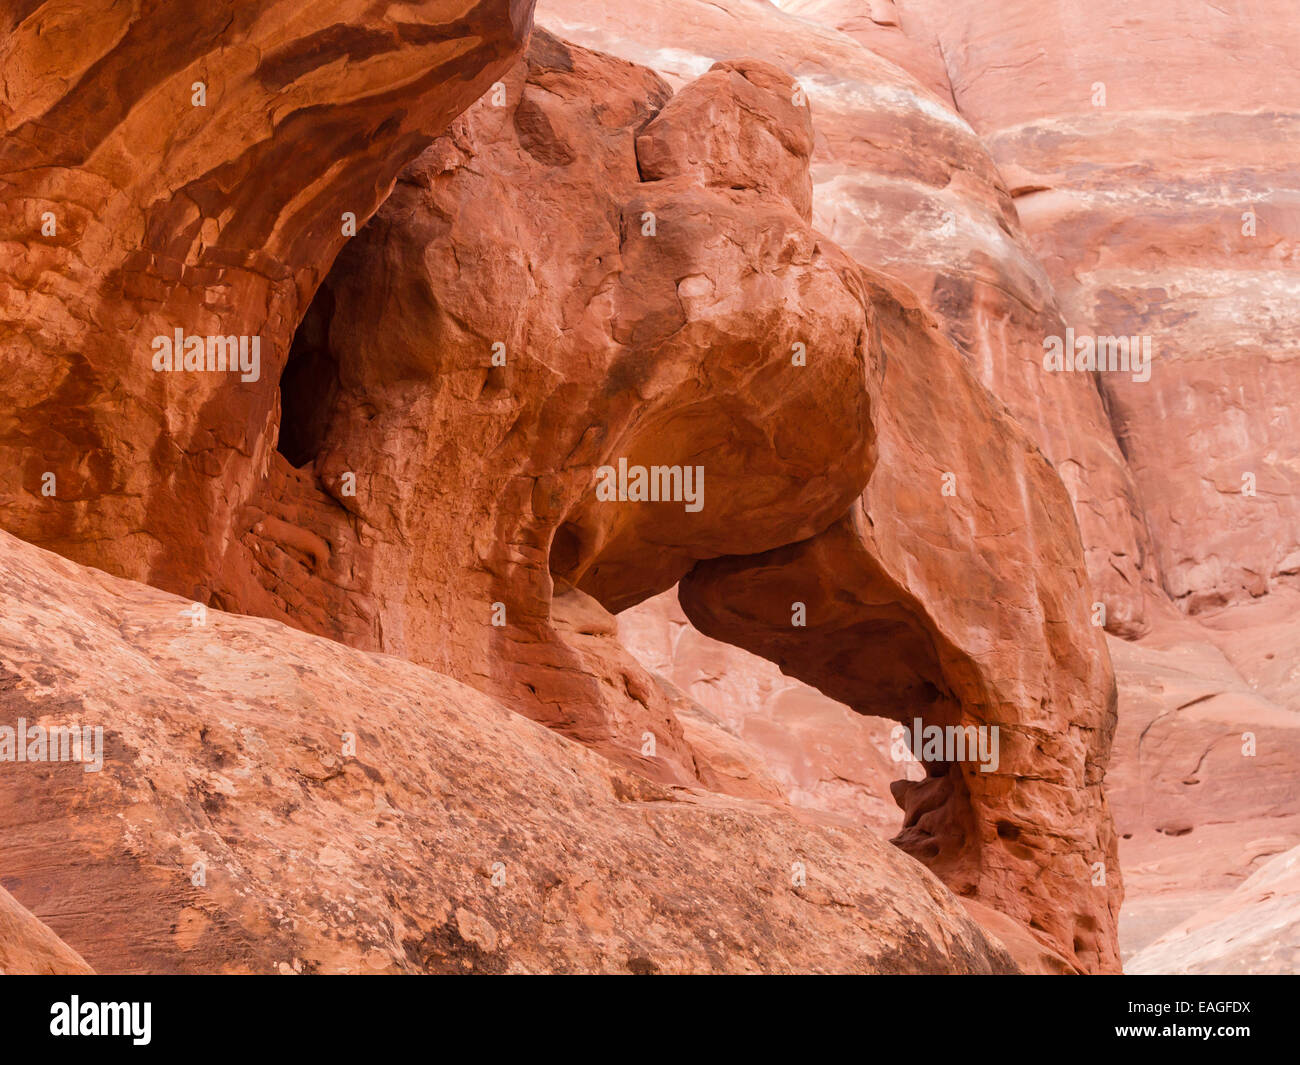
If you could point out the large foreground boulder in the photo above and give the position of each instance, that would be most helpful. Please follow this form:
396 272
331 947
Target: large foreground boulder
270 801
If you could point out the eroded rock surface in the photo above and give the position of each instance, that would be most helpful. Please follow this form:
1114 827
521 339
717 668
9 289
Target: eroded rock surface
590 271
681 312
231 828
189 167
1152 148
29 948
1162 206
642 279
605 263
954 592
904 185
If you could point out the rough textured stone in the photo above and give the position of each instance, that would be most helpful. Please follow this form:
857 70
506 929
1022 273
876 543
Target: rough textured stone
665 345
904 184
216 219
591 266
224 745
29 948
681 346
1137 138
961 608
642 265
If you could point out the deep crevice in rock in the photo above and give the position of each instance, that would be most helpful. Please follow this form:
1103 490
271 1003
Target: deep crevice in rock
309 385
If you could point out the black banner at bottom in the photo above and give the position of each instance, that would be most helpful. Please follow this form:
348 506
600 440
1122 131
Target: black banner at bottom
334 1014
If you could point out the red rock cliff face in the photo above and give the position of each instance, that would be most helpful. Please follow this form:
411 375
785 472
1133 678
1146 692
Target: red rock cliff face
904 184
677 309
1152 151
886 634
808 270
1158 208
588 272
189 167
1149 151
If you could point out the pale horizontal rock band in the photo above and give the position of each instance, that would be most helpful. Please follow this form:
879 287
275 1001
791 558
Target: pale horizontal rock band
917 193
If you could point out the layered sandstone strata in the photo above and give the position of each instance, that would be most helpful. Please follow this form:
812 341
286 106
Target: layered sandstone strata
1151 149
904 185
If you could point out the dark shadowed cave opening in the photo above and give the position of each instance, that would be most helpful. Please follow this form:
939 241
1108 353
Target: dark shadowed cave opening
309 385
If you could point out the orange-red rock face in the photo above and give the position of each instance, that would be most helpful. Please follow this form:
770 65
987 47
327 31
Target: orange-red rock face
1150 148
561 286
1153 149
954 593
189 167
270 801
680 313
570 283
905 185
605 275
29 948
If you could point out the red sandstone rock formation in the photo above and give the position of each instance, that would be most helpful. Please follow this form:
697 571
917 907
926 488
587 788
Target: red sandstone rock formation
903 184
1108 223
1151 150
457 836
569 282
189 167
588 268
806 360
967 607
642 306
